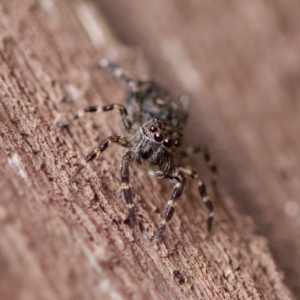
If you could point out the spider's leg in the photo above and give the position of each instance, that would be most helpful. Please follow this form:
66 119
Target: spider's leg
136 87
118 72
168 212
207 158
202 191
208 203
126 188
120 140
93 109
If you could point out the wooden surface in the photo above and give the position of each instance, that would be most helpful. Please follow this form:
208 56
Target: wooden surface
69 241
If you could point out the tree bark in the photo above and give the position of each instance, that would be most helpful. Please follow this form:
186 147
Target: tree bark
62 240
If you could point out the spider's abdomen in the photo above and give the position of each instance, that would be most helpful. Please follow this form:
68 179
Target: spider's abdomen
156 103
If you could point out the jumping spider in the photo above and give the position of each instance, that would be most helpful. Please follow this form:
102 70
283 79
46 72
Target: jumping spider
156 121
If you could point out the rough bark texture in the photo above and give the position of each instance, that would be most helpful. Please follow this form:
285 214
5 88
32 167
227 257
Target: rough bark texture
70 241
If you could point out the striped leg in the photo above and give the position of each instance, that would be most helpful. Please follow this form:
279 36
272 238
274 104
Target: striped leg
202 191
171 205
126 188
202 188
120 140
93 109
119 73
136 87
208 203
207 158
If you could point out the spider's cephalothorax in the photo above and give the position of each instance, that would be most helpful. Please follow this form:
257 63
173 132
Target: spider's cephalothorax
158 142
155 121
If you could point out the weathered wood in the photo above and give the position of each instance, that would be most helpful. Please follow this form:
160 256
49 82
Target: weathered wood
71 241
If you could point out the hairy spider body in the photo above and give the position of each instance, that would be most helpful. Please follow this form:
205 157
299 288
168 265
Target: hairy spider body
155 121
154 103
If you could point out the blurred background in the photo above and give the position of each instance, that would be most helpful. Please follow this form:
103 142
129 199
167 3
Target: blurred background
239 63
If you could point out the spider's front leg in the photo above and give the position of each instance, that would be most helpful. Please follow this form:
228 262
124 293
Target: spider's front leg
120 140
168 212
126 188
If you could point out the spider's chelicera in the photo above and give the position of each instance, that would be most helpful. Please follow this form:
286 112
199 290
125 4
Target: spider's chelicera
154 121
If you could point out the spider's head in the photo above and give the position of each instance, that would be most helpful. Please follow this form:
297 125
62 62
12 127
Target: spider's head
162 133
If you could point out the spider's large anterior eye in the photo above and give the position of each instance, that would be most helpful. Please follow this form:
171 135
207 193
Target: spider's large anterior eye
153 128
177 143
159 137
168 142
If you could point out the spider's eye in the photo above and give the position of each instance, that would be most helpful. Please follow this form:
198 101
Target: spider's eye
153 128
159 137
177 143
168 142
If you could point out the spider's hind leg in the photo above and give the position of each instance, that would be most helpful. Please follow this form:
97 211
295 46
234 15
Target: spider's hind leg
137 89
118 72
135 86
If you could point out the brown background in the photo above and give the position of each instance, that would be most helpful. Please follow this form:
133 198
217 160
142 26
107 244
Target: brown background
239 65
